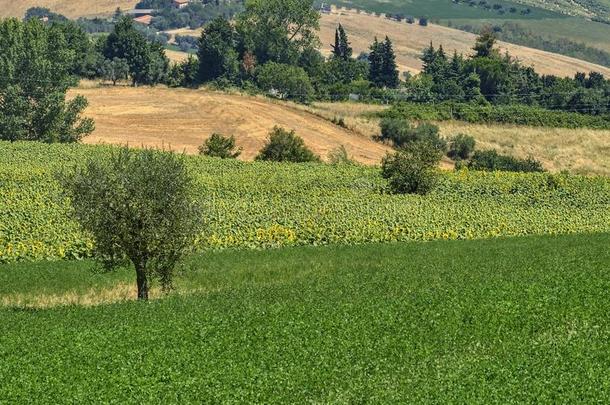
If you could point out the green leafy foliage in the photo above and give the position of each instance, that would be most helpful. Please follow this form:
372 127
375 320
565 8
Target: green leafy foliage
138 207
265 204
461 146
147 61
290 82
218 145
492 160
284 146
413 169
36 69
401 133
485 321
217 56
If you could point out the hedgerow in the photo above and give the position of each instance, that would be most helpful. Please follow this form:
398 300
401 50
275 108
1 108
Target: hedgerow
497 114
266 204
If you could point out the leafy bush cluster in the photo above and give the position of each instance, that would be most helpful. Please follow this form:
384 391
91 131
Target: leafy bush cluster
413 169
400 132
493 161
260 204
284 146
220 146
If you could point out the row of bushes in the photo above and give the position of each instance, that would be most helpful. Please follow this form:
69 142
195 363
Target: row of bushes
497 114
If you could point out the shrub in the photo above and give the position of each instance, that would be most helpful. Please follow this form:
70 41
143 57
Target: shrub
491 160
412 169
461 146
401 133
137 205
284 146
220 146
290 82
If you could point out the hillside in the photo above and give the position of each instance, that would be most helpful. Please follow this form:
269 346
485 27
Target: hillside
182 119
410 39
69 8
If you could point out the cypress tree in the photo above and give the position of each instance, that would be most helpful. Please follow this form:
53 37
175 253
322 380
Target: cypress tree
376 63
428 57
341 48
389 68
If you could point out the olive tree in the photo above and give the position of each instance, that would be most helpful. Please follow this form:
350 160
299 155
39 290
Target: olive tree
138 207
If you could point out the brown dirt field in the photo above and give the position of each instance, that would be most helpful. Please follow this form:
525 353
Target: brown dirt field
69 8
182 119
410 39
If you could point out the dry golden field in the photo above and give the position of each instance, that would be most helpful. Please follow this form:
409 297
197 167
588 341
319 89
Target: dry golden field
583 151
69 8
181 119
410 39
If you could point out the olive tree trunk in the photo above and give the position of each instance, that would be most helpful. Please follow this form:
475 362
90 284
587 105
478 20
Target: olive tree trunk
142 281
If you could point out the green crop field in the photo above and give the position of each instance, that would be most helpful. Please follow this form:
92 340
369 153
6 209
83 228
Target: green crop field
446 9
261 205
521 320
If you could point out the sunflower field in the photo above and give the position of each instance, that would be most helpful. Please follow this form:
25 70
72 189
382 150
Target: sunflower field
264 205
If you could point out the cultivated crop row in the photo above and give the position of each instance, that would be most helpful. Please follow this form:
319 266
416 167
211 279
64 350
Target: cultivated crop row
263 205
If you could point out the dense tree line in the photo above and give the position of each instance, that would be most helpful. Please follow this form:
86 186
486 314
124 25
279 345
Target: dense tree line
490 77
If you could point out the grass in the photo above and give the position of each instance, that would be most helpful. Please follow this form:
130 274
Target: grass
497 321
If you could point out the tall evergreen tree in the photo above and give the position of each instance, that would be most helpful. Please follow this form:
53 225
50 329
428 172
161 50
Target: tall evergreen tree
389 69
376 63
428 57
456 66
341 48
